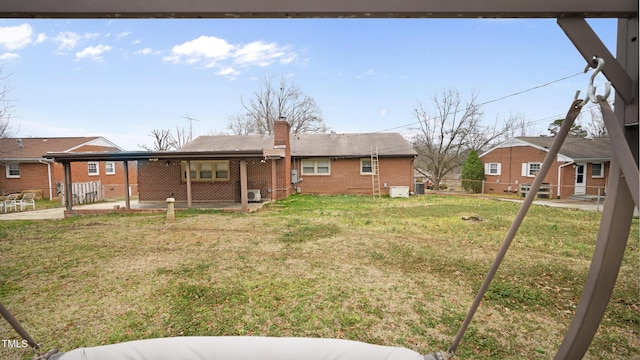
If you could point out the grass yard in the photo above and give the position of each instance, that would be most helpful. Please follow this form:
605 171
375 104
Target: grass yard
389 271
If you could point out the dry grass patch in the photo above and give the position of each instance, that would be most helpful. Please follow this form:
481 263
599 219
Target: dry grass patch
390 271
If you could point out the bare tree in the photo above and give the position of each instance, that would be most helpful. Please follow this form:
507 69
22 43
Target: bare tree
448 132
595 127
276 99
6 107
181 137
162 141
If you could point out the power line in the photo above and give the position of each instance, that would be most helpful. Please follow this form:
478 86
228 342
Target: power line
496 100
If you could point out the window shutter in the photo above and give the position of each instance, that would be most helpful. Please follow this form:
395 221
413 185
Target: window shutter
486 169
499 169
524 169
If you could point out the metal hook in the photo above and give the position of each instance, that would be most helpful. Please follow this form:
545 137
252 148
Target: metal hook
591 89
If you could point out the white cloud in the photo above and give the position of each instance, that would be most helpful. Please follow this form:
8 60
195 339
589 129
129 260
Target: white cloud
93 52
68 40
41 38
15 37
202 49
383 112
214 52
229 72
146 51
369 72
258 53
9 56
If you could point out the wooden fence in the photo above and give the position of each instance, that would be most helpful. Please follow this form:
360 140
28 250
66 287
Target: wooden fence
86 192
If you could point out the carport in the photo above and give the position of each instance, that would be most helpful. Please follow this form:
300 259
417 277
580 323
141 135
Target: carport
67 158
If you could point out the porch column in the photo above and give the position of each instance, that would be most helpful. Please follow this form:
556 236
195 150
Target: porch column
274 180
127 198
68 188
188 170
244 198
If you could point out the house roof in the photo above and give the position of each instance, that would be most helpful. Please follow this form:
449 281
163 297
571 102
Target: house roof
572 149
350 145
242 146
311 145
229 143
26 149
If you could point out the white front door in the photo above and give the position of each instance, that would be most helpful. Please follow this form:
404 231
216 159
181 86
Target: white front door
580 186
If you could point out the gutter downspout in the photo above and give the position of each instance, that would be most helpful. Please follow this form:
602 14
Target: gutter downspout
48 176
560 174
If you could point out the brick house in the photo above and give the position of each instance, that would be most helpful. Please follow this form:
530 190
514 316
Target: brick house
581 167
23 167
276 166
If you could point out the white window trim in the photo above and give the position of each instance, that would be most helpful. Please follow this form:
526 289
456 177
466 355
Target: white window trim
601 171
97 173
372 172
214 171
526 169
487 169
315 167
113 167
7 170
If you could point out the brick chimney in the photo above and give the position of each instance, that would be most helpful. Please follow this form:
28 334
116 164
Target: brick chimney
281 134
281 140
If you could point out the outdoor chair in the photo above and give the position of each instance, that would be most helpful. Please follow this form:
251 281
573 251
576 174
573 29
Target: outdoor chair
27 199
10 202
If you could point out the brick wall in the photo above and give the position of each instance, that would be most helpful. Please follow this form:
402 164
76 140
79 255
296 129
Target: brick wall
345 177
511 160
33 176
159 180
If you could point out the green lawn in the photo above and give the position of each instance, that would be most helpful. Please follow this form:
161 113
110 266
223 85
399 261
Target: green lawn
389 271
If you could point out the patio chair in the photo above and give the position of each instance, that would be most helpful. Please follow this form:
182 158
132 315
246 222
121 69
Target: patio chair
27 199
10 202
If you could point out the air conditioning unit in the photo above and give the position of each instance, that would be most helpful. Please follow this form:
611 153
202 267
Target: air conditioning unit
254 195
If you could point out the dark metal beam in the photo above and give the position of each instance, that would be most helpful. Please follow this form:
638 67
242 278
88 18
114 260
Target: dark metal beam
605 265
313 8
590 45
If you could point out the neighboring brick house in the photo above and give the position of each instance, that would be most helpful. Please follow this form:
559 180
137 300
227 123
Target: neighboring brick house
23 167
581 167
277 166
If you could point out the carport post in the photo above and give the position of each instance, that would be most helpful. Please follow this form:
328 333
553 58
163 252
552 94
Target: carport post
127 198
68 188
188 174
244 198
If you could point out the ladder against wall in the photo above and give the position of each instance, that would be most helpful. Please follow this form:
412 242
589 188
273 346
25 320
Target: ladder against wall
375 173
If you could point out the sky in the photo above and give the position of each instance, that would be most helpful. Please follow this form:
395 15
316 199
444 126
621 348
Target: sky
123 78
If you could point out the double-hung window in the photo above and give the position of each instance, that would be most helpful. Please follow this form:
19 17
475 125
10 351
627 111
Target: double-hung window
530 169
214 170
94 168
492 168
13 170
597 170
110 168
366 167
316 167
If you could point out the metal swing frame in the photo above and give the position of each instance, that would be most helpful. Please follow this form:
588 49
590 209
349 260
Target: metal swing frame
621 70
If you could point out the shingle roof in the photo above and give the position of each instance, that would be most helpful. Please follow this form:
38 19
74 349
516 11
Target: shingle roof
311 145
229 143
576 148
34 148
350 145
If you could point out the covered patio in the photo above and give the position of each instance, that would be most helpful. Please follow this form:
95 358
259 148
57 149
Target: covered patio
66 159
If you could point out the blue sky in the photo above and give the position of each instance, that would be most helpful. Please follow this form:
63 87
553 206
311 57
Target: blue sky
123 78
